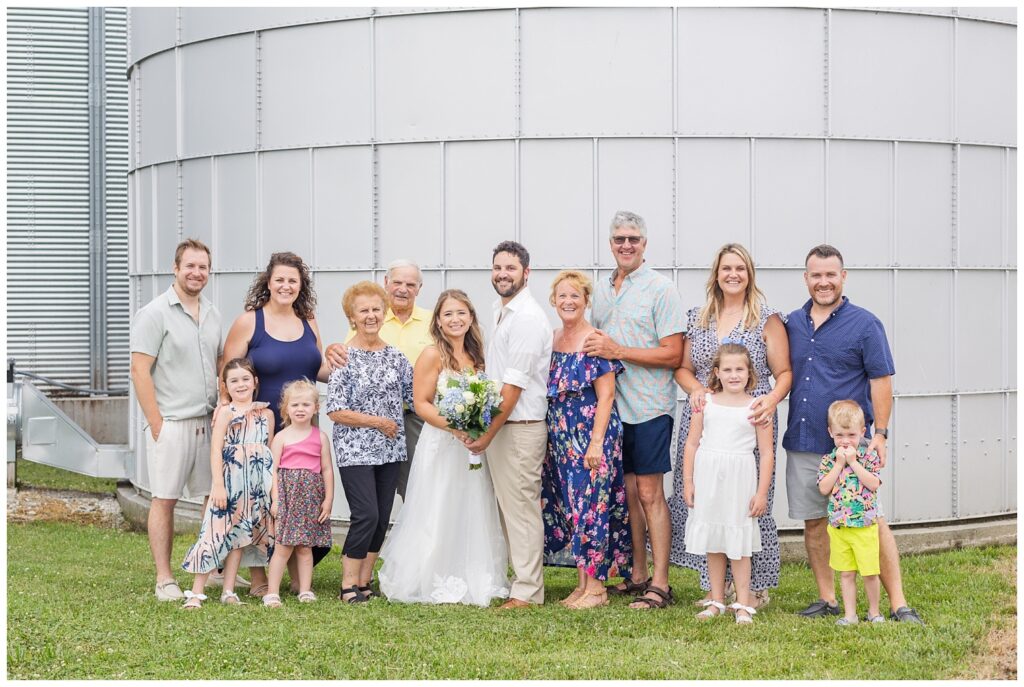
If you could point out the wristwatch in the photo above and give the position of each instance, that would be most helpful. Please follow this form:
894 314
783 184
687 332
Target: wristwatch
883 432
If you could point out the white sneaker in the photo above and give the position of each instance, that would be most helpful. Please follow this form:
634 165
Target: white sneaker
168 591
216 579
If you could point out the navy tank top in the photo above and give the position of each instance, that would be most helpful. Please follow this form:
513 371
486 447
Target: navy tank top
279 362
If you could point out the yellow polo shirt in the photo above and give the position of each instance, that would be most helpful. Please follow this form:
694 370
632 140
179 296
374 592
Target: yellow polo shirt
410 337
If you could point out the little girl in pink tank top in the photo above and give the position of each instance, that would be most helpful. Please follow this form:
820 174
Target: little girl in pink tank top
302 492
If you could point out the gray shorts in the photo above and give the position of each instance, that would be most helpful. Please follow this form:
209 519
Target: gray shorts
805 501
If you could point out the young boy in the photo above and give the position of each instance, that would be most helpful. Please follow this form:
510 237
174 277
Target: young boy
850 479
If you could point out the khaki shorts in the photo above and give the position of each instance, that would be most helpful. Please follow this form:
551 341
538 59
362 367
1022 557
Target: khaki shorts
179 460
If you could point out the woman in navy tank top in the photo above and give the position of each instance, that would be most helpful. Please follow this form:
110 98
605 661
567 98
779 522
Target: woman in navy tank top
279 334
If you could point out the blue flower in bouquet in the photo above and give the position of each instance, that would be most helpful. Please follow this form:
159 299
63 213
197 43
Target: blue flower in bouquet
469 403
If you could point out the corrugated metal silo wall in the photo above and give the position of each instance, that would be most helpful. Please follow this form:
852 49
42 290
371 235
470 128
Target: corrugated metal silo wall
48 214
356 136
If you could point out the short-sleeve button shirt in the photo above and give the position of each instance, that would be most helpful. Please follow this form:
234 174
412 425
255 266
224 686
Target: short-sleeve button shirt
836 361
186 352
519 353
851 504
646 309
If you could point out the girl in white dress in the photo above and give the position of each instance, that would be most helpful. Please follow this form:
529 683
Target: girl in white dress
720 478
447 545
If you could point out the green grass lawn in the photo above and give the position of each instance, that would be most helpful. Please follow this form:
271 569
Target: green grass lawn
81 605
29 474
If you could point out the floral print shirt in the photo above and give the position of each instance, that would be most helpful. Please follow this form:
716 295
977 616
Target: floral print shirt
851 504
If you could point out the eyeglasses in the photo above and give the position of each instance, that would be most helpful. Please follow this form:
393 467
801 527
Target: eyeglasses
633 240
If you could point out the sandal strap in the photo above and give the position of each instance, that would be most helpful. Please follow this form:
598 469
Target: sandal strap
711 602
665 595
189 594
740 607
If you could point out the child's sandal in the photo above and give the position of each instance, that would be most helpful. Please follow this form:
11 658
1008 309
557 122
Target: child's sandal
712 609
230 598
193 601
272 601
743 619
307 597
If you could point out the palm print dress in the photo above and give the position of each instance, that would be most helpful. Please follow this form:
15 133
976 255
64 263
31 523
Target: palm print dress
583 509
704 344
245 520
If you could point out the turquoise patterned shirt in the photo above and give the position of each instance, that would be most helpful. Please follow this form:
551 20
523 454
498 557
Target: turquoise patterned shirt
646 309
851 504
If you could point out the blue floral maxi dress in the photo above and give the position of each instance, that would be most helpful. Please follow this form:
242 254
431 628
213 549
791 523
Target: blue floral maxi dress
245 520
583 510
765 565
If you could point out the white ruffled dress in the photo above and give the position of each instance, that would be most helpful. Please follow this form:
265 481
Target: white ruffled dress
724 481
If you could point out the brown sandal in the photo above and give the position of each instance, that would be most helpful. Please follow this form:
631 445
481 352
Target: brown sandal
665 599
630 588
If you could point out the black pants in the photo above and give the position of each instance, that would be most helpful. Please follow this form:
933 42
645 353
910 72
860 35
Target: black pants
370 491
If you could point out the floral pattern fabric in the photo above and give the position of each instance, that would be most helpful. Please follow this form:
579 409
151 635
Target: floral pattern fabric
373 383
245 519
584 510
851 504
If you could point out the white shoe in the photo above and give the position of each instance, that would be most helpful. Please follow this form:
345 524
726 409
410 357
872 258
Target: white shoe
216 579
168 591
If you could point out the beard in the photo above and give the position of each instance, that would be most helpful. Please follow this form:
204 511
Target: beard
508 289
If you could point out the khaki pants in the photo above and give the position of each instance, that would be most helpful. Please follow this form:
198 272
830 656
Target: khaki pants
514 458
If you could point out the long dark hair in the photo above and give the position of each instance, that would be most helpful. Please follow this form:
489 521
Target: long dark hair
473 344
259 293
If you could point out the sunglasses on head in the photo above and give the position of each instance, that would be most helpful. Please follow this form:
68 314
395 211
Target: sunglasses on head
633 240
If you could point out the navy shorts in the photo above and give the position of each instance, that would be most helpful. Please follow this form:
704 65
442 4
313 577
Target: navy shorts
646 447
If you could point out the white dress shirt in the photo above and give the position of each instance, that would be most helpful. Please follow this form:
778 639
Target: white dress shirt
519 353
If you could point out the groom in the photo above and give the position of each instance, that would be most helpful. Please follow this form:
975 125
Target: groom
518 356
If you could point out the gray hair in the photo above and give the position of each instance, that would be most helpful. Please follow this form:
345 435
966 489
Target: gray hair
402 262
625 218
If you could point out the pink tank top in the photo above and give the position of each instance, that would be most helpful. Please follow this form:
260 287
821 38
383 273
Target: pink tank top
302 455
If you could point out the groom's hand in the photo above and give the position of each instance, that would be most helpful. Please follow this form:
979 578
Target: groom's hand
480 445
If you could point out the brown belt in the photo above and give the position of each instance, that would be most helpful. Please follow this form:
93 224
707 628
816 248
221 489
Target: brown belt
522 422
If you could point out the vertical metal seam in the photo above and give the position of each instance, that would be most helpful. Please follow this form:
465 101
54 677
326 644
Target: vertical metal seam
374 206
98 357
954 342
259 89
312 208
826 162
444 211
752 182
594 201
373 80
828 73
675 210
517 76
154 205
954 91
675 72
214 222
179 194
894 204
258 200
138 115
518 190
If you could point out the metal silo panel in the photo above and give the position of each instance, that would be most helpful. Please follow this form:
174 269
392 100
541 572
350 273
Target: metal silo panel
166 232
981 455
860 191
200 23
409 203
477 285
924 204
921 456
480 201
891 75
925 297
981 207
330 317
235 213
873 290
690 284
425 86
1006 14
342 208
596 71
157 106
784 290
142 231
789 199
749 71
218 96
557 182
540 284
981 329
153 30
1011 208
636 174
286 221
197 199
1011 331
713 188
116 164
1011 451
986 72
315 85
228 294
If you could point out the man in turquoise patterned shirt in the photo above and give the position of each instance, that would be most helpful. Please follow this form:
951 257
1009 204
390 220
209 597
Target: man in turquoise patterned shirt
639 320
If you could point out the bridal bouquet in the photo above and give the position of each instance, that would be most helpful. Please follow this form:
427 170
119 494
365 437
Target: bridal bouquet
469 403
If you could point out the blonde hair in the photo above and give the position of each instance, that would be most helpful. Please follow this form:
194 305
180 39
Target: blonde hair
293 389
362 288
714 383
753 299
846 414
580 282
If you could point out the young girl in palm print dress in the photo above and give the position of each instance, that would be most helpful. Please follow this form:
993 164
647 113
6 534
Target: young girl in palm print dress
237 518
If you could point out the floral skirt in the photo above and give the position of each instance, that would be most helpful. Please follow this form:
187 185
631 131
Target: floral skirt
299 495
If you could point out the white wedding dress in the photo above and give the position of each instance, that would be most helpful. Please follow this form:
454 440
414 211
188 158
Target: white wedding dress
447 545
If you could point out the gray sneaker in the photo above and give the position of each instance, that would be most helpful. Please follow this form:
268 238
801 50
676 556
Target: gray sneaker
168 591
819 609
875 618
845 622
906 614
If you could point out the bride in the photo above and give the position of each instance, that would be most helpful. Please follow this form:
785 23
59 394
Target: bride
447 544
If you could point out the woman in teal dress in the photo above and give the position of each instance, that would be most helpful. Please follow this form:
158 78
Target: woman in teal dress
583 495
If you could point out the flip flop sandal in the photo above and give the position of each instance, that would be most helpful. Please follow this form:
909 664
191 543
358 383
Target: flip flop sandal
630 588
357 595
665 598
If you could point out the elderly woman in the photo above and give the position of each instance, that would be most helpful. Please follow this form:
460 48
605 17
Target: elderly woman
583 494
734 310
364 399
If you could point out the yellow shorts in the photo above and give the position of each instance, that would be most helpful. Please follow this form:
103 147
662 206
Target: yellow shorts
854 548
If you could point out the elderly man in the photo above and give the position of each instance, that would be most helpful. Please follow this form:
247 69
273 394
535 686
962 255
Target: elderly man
407 328
639 320
838 351
176 344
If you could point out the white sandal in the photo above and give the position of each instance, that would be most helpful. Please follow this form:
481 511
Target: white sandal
307 597
230 598
743 619
193 601
712 609
272 601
